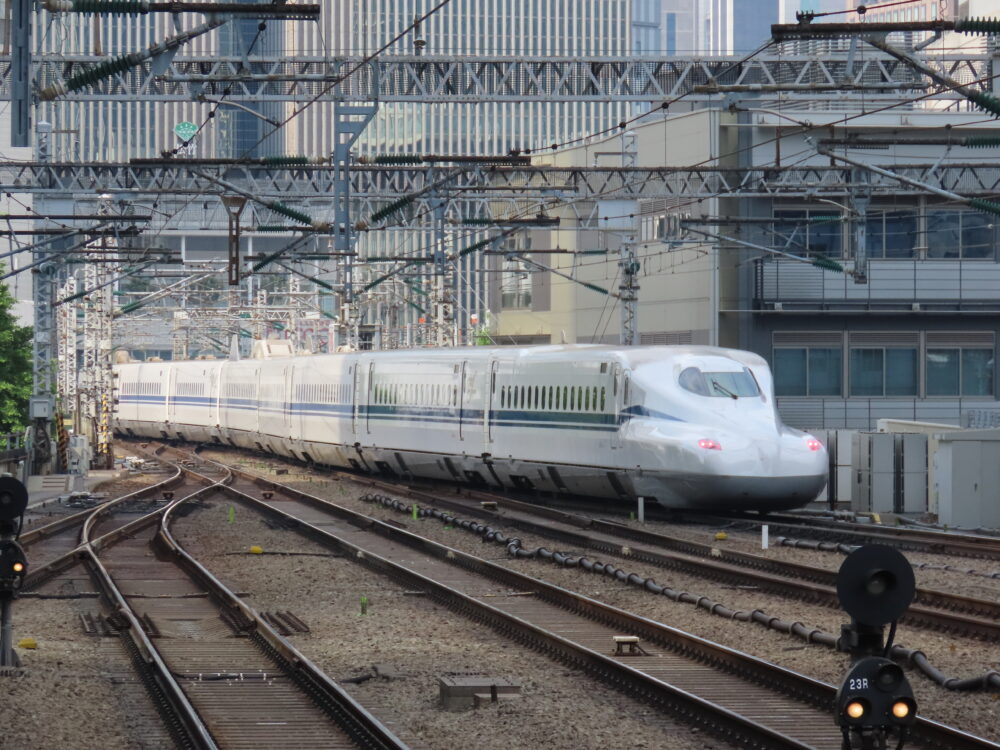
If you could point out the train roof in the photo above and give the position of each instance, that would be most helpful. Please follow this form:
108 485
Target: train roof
632 356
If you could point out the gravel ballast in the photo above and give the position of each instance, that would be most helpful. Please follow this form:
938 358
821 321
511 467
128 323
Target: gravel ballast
415 642
978 713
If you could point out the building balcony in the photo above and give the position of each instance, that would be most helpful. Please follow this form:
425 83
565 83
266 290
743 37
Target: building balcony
782 284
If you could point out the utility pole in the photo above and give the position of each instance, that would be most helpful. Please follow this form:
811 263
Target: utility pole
860 198
42 403
350 120
628 262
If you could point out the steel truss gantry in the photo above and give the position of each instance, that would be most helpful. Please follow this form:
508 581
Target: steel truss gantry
474 79
473 192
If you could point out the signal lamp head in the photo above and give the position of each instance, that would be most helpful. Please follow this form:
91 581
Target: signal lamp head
855 709
18 567
813 444
901 709
709 444
875 584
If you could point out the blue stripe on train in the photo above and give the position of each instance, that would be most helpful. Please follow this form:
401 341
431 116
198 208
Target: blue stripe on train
446 415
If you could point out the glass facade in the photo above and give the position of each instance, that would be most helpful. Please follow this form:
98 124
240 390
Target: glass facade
891 234
960 372
807 371
959 234
812 231
884 371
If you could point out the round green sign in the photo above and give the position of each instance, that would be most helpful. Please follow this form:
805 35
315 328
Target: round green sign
185 130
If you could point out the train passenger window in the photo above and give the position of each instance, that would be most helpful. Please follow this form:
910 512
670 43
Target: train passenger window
565 400
558 400
572 399
603 396
593 399
586 399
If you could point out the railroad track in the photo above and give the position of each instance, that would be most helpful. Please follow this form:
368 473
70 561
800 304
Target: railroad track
935 610
220 676
54 547
742 699
849 532
932 609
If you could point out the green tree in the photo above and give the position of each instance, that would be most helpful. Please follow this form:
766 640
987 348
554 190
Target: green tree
15 367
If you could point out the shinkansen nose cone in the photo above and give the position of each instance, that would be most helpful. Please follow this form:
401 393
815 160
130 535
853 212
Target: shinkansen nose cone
718 442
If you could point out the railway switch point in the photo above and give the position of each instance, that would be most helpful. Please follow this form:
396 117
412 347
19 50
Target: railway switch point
472 691
628 645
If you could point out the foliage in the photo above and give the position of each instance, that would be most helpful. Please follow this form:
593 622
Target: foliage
15 367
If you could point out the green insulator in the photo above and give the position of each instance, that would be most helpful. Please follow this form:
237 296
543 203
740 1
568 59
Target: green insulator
291 213
987 207
986 102
397 159
283 161
100 72
473 248
981 141
478 222
977 25
392 208
274 228
828 265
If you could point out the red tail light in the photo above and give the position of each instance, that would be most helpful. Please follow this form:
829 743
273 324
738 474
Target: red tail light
710 445
814 444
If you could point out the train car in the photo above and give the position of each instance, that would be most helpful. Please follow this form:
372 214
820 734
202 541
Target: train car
690 427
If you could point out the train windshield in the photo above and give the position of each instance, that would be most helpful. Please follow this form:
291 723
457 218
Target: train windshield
721 384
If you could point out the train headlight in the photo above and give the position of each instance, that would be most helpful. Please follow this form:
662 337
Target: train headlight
709 444
813 444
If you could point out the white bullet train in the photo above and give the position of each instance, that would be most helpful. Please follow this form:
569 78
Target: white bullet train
689 426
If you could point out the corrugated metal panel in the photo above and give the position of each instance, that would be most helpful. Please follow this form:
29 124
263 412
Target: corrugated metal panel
960 338
661 338
802 413
885 338
807 338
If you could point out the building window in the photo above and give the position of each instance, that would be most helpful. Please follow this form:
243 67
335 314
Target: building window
808 231
884 372
891 234
959 372
807 371
515 277
959 234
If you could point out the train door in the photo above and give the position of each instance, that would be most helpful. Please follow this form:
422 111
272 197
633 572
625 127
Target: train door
491 404
213 397
618 391
355 371
462 401
367 391
286 400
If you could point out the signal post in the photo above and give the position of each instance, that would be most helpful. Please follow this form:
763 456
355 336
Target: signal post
875 703
13 563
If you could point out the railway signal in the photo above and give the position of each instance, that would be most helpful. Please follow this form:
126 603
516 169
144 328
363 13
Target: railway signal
875 702
13 567
13 563
13 502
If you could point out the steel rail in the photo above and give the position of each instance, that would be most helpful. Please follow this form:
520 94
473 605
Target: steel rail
929 733
179 714
937 542
353 718
963 614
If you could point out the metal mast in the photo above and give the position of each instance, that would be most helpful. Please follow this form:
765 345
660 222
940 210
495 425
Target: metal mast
628 262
